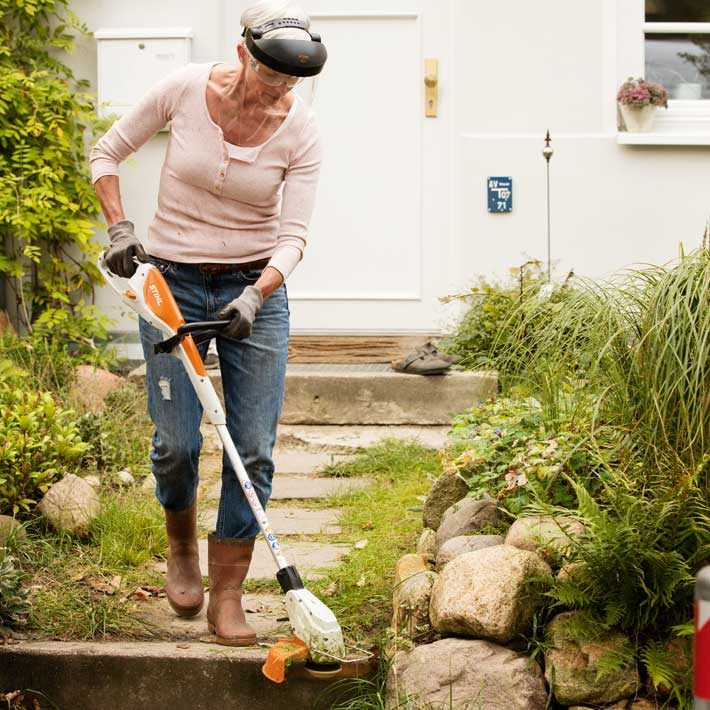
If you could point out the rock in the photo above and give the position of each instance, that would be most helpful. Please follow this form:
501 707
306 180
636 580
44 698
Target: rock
448 489
410 602
464 543
408 565
548 536
149 482
487 593
465 517
124 478
427 543
70 505
93 481
9 527
644 704
571 666
92 385
463 673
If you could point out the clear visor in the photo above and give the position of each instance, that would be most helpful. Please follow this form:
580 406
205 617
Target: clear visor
271 77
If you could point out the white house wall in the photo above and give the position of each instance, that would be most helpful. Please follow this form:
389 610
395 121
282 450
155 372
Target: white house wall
520 68
517 68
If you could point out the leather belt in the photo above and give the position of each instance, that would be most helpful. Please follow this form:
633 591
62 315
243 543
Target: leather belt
229 268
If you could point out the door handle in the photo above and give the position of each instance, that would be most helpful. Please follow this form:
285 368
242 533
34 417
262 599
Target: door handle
431 87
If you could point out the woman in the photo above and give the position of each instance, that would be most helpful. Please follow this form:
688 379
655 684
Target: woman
236 193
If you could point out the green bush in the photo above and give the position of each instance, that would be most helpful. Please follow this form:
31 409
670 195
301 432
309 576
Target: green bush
639 344
483 329
39 442
507 448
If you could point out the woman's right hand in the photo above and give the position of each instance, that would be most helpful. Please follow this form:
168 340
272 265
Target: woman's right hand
125 248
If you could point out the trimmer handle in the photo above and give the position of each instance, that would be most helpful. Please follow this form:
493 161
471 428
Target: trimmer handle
201 331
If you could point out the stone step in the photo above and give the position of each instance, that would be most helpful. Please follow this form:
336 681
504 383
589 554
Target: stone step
290 521
348 438
372 394
157 675
307 556
297 487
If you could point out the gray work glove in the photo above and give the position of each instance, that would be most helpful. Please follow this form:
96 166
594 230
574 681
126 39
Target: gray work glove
124 247
242 312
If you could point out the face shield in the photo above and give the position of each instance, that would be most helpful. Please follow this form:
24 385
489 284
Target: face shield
270 69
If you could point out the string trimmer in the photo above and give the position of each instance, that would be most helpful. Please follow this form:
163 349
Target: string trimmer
318 634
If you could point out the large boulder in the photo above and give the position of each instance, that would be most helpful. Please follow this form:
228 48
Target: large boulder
410 602
448 489
572 665
70 505
427 543
467 516
548 536
92 385
463 673
462 544
488 593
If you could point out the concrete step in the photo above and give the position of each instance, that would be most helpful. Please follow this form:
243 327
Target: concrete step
156 675
372 394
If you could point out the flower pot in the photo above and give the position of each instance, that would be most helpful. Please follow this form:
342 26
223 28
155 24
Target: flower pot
638 119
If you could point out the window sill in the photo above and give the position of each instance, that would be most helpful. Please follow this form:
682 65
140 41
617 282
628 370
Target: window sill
652 138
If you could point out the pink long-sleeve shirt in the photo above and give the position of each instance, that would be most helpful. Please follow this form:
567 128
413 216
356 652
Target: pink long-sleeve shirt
213 207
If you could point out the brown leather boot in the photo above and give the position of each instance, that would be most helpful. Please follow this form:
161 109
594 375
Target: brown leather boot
228 560
184 581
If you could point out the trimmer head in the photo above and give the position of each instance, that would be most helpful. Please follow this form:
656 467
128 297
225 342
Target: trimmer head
315 624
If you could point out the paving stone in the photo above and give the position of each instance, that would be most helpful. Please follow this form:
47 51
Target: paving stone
307 556
288 460
293 486
348 438
291 521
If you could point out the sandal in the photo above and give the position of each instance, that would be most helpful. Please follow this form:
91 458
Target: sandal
431 349
421 363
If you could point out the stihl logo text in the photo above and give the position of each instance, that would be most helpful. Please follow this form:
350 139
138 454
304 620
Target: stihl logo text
154 290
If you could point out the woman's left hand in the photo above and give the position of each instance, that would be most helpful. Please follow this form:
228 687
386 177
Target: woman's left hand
242 312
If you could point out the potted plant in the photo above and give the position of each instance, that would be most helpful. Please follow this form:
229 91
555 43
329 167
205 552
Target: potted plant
638 100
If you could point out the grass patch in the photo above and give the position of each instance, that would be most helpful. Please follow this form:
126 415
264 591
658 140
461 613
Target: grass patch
82 589
380 514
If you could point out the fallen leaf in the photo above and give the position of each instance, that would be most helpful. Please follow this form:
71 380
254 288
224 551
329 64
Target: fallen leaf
182 645
141 593
330 590
361 544
115 581
362 581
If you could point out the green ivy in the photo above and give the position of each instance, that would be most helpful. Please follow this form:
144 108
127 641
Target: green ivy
48 207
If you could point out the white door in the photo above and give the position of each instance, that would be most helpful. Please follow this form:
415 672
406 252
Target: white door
380 238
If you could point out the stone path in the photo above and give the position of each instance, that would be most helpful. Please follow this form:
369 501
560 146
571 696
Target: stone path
309 535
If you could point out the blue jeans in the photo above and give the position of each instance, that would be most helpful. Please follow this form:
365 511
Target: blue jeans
253 376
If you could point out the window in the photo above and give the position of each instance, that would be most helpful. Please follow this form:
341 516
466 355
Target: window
677 48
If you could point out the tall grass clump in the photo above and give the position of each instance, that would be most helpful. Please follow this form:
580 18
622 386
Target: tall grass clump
640 344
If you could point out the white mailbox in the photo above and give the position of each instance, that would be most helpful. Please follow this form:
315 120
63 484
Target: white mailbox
130 61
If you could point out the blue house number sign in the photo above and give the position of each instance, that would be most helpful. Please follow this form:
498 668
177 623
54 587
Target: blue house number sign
500 194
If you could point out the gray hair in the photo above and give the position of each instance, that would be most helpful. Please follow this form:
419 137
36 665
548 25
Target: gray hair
265 10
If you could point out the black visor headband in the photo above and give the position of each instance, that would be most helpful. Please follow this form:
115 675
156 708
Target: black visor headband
295 57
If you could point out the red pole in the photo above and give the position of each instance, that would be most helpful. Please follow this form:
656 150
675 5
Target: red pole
702 640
